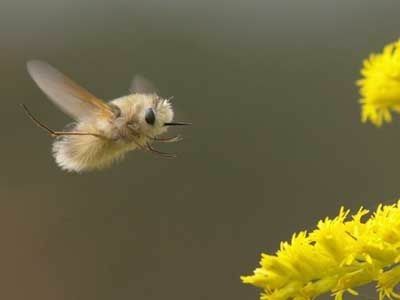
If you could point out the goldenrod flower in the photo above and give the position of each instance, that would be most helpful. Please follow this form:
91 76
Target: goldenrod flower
340 255
380 87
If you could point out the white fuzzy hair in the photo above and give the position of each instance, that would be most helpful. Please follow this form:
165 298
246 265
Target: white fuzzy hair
77 153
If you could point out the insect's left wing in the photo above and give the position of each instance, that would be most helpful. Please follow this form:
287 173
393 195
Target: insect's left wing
70 97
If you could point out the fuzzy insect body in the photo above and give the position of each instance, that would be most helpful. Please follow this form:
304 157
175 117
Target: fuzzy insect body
102 132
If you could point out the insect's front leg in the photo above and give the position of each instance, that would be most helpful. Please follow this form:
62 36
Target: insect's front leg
168 139
160 153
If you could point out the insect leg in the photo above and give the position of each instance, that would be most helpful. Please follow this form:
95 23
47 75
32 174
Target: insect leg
56 133
163 154
149 148
168 139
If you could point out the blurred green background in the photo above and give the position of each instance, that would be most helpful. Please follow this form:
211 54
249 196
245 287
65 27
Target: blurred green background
276 143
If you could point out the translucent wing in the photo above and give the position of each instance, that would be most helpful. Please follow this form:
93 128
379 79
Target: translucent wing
71 98
141 85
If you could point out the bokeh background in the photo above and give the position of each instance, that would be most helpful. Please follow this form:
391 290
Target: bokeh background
276 143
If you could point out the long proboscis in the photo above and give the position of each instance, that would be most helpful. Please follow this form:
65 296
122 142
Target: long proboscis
177 124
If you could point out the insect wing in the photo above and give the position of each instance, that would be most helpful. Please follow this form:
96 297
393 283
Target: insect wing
71 98
141 85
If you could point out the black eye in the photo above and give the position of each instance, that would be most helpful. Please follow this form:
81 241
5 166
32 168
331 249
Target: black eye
149 116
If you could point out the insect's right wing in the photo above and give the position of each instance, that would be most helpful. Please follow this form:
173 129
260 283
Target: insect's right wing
141 85
71 98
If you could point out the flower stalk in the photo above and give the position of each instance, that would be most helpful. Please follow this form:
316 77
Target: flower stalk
340 255
380 85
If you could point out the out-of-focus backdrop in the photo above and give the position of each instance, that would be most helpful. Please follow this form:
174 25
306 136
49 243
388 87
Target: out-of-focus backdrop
276 143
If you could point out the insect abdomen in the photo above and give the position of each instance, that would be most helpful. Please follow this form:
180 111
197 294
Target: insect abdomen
86 152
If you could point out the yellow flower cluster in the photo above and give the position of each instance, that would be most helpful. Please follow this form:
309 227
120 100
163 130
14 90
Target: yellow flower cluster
380 85
340 255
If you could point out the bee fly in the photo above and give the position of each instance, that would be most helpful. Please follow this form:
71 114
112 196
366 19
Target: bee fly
103 132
